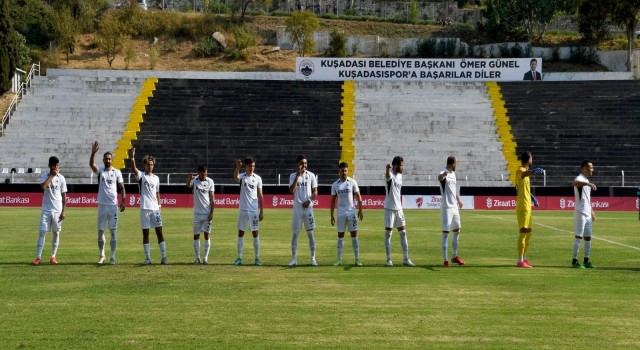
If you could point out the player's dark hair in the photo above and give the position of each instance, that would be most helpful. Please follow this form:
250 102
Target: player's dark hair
105 154
585 163
53 160
397 160
148 159
451 160
525 156
202 168
533 60
343 165
249 161
300 157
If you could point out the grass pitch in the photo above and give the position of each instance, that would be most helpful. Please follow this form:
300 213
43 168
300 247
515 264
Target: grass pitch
486 304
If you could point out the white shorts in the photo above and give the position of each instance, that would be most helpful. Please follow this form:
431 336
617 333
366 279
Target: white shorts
201 223
252 216
301 215
50 220
349 221
450 220
393 218
150 219
107 215
582 225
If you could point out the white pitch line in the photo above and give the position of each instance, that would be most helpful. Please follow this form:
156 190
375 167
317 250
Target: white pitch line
561 230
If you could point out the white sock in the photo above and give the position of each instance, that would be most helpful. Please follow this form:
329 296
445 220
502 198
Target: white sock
196 248
387 243
404 244
445 245
454 243
312 244
163 249
40 245
207 247
101 242
256 246
240 246
55 241
587 248
294 245
340 247
356 247
147 250
113 243
576 247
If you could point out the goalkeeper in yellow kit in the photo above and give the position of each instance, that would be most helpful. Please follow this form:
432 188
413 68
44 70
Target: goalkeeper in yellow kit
523 206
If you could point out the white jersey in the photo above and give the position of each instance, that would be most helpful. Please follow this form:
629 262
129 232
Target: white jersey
201 195
249 186
583 196
393 199
344 190
52 198
448 190
149 186
108 186
306 182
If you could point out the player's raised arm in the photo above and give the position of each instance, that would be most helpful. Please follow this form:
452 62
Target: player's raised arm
133 161
190 180
388 173
236 171
294 185
94 149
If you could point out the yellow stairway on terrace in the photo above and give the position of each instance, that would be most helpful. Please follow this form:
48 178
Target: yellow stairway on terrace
133 125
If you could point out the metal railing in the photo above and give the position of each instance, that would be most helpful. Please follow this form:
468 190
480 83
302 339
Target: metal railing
35 68
621 178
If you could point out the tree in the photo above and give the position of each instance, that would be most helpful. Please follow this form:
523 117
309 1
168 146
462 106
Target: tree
8 50
625 13
414 11
242 5
34 20
65 31
111 36
337 44
596 15
300 26
516 19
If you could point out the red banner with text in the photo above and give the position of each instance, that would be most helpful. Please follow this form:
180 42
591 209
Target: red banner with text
34 199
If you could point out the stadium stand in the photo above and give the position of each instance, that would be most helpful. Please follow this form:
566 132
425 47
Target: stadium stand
563 123
207 121
425 122
62 115
217 120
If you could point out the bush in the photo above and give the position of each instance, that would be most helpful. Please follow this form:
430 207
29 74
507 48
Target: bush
437 48
244 37
584 55
427 48
218 7
337 44
207 48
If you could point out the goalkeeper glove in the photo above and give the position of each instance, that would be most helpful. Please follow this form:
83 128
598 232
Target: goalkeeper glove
534 200
537 170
